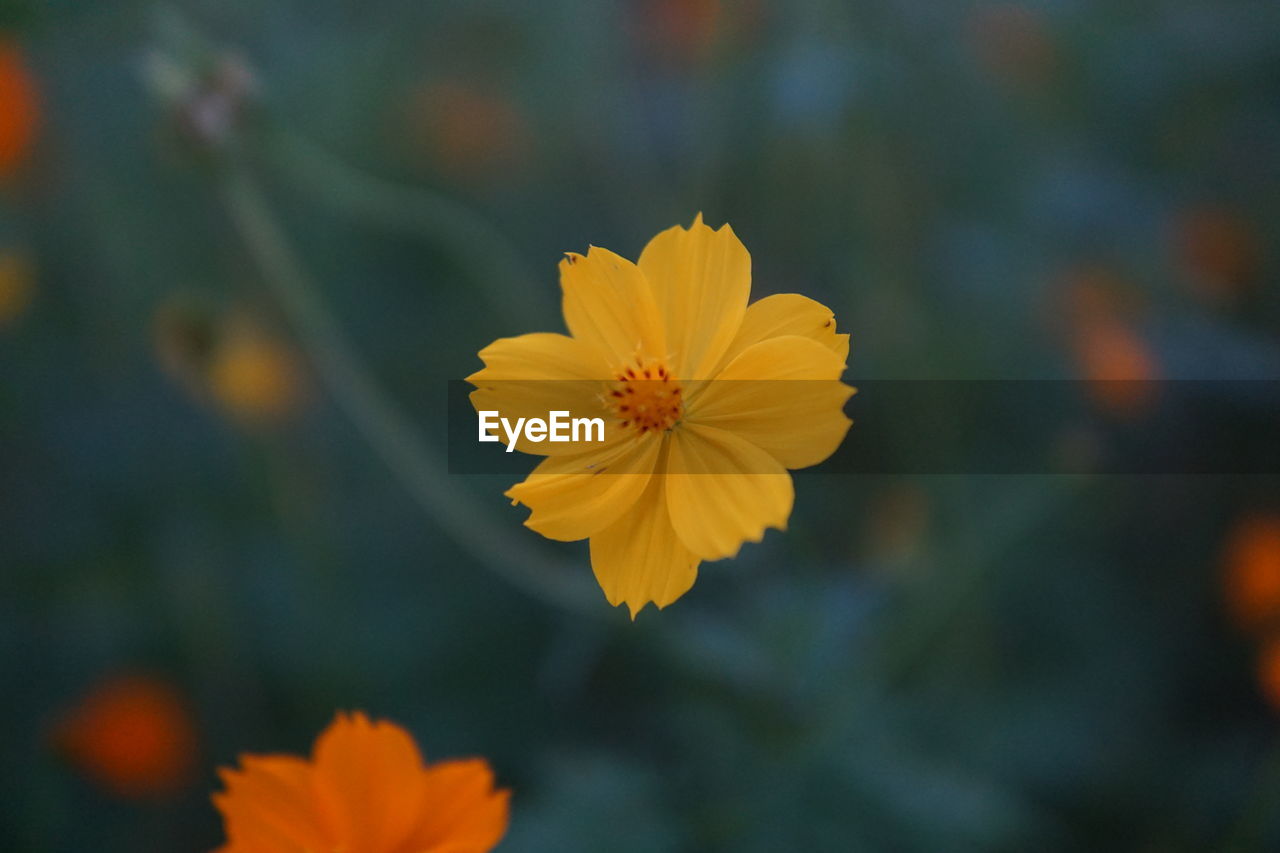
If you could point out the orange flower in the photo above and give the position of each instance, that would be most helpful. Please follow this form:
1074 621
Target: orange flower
1013 42
1269 673
19 108
1252 569
134 735
1219 250
472 130
365 790
1119 366
681 31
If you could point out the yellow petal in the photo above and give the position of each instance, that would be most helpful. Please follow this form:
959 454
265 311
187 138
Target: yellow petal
639 558
573 497
609 306
723 491
701 280
789 314
782 395
532 375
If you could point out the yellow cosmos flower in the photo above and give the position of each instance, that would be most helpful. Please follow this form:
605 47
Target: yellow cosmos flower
707 401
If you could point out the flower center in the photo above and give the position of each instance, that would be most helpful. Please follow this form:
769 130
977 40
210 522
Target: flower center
646 397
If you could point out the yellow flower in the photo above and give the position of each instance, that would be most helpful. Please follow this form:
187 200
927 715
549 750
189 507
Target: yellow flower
696 447
364 790
255 377
17 283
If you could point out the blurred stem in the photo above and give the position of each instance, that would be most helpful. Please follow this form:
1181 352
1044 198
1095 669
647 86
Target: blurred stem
480 249
389 432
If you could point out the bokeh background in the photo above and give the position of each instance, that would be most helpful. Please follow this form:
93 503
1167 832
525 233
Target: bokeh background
245 244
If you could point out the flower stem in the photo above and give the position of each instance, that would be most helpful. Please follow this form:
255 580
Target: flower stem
385 427
492 261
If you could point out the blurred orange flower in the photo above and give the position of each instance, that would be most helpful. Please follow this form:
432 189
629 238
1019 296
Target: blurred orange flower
1269 672
254 377
1252 572
365 790
134 735
681 30
1012 41
1095 309
469 129
1218 249
17 283
1119 366
19 107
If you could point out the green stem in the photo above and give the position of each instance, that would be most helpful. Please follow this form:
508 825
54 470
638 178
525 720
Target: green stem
387 430
493 262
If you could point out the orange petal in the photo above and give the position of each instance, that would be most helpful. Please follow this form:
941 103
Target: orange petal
370 778
461 810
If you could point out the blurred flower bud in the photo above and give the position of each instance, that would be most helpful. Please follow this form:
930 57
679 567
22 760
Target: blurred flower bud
208 105
19 108
17 284
469 131
1012 42
1251 573
185 332
1269 672
1219 252
1119 366
228 359
133 735
255 378
679 32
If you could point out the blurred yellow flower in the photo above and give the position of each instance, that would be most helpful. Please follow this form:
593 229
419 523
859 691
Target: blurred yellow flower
17 284
365 790
254 377
697 467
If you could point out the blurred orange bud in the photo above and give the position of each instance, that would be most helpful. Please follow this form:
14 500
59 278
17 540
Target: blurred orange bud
1269 672
1251 566
468 129
683 31
1118 365
17 284
1012 42
19 108
184 330
898 524
255 377
1219 251
133 735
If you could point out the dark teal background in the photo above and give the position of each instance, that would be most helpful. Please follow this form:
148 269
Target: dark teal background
920 663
